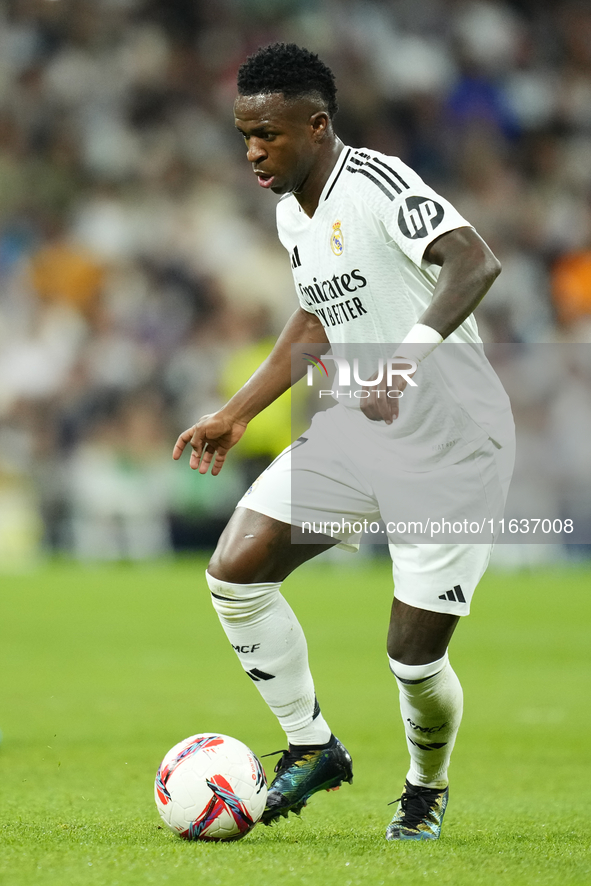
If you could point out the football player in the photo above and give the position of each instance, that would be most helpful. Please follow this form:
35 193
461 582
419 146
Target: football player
378 257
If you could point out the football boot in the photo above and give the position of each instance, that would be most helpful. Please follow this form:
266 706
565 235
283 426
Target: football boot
301 772
419 815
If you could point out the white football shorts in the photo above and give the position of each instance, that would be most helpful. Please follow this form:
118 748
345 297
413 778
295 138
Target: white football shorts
330 482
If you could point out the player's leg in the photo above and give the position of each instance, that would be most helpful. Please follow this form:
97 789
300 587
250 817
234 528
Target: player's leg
259 548
254 555
430 692
418 636
256 548
434 586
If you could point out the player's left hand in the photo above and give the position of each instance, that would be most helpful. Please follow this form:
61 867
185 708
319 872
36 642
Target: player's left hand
383 401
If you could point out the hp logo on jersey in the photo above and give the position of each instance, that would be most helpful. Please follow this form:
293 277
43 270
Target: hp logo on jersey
419 216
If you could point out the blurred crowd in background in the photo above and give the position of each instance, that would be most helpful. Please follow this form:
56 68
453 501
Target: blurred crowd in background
141 280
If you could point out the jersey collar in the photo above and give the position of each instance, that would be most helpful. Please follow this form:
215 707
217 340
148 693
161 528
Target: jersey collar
334 175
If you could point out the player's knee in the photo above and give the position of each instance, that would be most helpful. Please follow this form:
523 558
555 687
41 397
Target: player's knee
415 652
418 636
405 653
252 548
226 566
240 563
405 646
416 649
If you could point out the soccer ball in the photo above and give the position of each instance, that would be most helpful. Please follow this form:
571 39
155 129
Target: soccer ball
210 787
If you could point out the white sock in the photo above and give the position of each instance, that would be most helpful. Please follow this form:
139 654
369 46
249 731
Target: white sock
270 643
431 703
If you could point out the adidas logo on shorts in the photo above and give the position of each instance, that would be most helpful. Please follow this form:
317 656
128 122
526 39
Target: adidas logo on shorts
456 596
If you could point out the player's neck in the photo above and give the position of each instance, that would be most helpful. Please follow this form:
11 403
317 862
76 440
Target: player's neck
312 188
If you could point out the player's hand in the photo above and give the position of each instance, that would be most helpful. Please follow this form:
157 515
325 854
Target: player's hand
383 401
213 435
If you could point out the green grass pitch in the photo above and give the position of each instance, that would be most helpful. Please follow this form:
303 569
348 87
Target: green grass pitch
102 670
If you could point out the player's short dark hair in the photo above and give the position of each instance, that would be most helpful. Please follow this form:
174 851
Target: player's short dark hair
289 69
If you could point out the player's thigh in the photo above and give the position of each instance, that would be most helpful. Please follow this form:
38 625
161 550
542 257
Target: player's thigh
456 503
315 486
248 547
256 548
441 575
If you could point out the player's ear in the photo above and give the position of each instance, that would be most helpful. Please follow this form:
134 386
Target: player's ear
320 124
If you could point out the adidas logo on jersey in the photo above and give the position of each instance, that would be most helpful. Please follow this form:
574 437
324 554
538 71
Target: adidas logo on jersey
295 258
456 596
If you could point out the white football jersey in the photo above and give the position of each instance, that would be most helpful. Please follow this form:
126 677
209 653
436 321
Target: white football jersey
358 262
358 265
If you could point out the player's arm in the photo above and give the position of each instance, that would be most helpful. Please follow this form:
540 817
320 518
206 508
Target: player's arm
215 434
468 270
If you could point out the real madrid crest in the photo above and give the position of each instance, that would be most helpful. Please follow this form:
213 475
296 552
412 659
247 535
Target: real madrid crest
336 239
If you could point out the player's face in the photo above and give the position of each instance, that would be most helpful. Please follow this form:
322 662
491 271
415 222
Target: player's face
282 139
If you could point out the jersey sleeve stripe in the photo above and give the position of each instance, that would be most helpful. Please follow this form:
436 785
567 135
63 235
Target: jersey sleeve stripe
392 172
387 178
374 180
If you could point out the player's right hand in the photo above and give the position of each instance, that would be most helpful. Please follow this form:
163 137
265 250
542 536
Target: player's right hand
213 435
379 405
